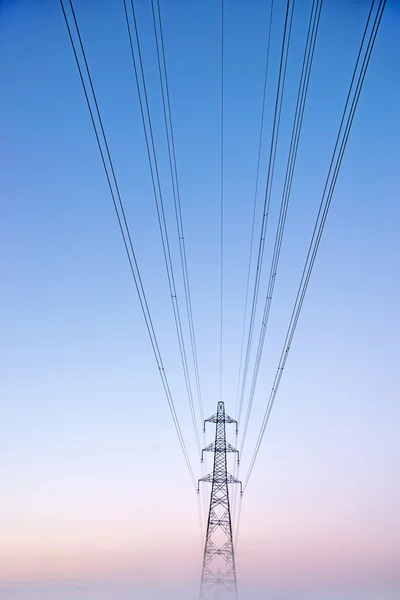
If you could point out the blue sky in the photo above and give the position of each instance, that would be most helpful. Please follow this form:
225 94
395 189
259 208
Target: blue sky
95 490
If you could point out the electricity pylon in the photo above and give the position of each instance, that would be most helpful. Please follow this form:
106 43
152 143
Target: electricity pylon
219 570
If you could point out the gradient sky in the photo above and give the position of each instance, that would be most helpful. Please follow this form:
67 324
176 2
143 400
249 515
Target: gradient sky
95 500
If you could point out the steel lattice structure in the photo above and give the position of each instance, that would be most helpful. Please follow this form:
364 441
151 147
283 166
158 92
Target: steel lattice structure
219 570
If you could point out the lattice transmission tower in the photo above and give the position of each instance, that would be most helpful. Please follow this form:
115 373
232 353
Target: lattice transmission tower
218 577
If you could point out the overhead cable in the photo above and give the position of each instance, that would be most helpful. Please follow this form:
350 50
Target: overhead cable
162 66
357 81
158 196
121 218
270 175
222 204
290 167
254 206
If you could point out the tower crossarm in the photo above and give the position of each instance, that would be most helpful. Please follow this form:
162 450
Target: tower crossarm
213 478
221 417
220 446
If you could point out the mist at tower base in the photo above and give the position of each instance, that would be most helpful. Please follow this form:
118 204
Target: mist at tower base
179 592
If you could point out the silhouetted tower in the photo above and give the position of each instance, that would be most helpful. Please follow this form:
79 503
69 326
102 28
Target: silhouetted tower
219 570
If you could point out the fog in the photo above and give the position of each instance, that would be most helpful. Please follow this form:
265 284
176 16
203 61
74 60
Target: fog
55 592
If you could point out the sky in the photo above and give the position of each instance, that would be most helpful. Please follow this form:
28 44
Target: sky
96 502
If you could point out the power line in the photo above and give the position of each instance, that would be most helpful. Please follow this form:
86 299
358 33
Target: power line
122 221
238 520
222 199
177 199
270 174
235 502
333 172
254 205
156 184
309 50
